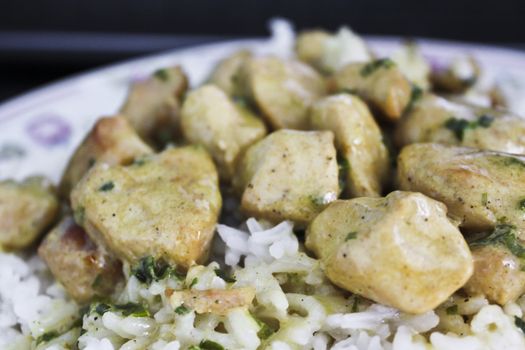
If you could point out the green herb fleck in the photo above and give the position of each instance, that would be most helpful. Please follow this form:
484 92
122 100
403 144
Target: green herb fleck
344 167
162 74
519 323
210 345
108 186
79 215
182 310
316 201
194 347
98 281
452 310
348 91
460 126
355 304
415 96
351 235
521 204
194 282
373 66
91 162
484 199
101 308
132 309
224 276
485 121
47 337
503 234
265 331
148 270
139 161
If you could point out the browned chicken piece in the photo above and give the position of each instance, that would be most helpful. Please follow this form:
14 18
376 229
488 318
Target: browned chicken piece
85 271
358 140
225 74
153 105
26 209
165 206
112 140
289 175
400 250
283 90
329 52
380 83
436 119
210 118
216 301
310 47
458 76
498 274
479 188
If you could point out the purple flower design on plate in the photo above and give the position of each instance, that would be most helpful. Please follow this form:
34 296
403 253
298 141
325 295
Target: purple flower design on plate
49 130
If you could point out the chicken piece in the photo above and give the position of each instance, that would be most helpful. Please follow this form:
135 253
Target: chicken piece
480 188
225 129
289 175
498 274
330 52
85 271
461 74
282 90
380 83
112 140
225 74
400 250
153 105
26 210
309 47
436 119
215 301
165 206
413 64
358 140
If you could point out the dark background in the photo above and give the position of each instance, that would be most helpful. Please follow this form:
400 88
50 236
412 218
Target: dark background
44 40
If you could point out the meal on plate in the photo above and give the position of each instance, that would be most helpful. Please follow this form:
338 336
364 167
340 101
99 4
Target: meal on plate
335 199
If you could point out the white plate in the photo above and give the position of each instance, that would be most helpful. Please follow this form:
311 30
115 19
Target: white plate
39 130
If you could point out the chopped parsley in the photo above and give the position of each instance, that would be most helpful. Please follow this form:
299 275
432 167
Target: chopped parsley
484 199
91 162
373 66
102 308
194 282
132 309
351 235
139 161
79 215
182 310
355 304
47 337
316 201
210 345
459 126
344 167
148 270
521 205
107 186
519 323
503 234
452 310
265 331
128 309
415 96
224 276
162 74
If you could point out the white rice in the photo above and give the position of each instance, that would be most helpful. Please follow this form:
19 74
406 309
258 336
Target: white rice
270 255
